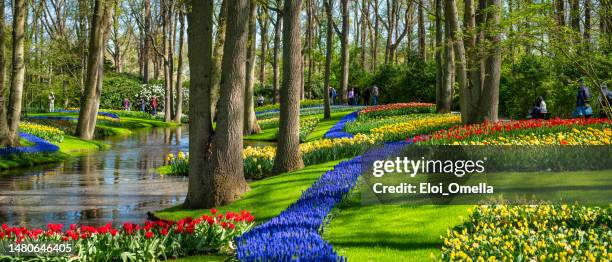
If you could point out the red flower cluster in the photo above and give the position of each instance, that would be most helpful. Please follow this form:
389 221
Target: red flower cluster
462 132
149 230
394 107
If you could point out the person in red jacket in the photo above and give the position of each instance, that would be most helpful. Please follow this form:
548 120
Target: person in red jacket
154 105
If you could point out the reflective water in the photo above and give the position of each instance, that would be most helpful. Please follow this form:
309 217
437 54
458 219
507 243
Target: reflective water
117 185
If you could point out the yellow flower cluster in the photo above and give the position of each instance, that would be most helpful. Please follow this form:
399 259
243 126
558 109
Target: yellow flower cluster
359 139
267 152
535 232
588 136
48 133
179 156
403 130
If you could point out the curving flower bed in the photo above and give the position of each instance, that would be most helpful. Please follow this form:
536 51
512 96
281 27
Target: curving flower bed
150 241
100 113
509 131
397 109
40 146
45 132
337 131
295 233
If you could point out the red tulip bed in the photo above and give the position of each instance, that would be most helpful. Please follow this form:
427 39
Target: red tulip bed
153 240
477 131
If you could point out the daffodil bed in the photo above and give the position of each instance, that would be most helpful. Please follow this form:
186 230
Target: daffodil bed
49 133
397 109
532 233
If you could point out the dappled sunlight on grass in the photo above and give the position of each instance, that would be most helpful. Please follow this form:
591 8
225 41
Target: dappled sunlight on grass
267 198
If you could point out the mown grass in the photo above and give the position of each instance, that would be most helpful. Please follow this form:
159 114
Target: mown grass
388 232
323 126
267 197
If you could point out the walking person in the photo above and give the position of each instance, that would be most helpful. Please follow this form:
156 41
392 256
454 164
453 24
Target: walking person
143 104
126 104
334 94
51 102
260 100
374 95
583 97
154 105
366 97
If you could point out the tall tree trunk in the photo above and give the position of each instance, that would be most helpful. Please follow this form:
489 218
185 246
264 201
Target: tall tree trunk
264 23
91 96
227 162
179 73
490 94
5 136
146 76
328 59
288 155
344 57
276 58
575 15
201 64
560 11
17 77
250 120
217 56
587 23
362 50
446 92
168 61
421 29
376 37
459 50
442 95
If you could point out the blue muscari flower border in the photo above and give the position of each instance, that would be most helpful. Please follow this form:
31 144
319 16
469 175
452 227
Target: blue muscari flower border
294 235
102 113
40 146
337 131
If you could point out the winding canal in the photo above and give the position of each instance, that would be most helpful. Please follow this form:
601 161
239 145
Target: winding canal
117 185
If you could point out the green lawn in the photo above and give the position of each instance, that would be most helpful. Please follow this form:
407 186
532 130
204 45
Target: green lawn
267 198
390 232
271 133
75 146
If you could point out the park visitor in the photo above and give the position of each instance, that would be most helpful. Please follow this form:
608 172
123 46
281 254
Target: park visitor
51 102
126 104
366 97
334 94
154 105
143 105
351 96
374 95
260 100
539 108
583 97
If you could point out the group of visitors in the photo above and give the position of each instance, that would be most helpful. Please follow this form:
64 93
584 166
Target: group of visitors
143 104
583 99
370 96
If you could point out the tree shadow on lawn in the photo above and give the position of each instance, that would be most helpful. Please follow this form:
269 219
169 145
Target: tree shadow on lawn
267 198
